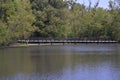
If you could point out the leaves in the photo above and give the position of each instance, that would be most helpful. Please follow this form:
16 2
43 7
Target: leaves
17 18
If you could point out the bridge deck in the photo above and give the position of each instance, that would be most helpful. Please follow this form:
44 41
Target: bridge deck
65 41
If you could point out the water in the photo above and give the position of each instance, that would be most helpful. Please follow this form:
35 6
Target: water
72 62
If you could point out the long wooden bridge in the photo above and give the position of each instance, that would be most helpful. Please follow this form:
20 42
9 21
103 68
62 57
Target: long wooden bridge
66 41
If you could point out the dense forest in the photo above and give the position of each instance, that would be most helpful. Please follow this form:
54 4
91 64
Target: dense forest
21 19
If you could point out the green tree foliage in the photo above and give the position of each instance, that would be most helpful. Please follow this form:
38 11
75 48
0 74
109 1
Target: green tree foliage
68 19
4 33
115 11
51 18
16 20
21 22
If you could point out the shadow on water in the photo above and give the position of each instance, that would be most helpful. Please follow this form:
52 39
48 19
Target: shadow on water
76 62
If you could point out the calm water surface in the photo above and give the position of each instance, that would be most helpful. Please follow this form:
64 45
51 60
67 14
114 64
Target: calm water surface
72 62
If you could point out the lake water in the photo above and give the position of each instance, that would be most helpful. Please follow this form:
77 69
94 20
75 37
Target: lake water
70 62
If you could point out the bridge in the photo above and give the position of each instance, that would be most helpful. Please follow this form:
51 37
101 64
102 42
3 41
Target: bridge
66 41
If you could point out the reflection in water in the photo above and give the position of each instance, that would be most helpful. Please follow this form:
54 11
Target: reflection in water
77 62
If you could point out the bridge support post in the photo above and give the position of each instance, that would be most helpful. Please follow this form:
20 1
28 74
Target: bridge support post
51 43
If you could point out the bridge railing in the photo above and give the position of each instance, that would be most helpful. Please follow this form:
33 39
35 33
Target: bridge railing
39 40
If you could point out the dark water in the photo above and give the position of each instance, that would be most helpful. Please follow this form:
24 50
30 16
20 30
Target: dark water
73 62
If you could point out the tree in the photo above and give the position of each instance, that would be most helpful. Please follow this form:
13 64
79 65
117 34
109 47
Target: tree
21 22
4 33
16 19
51 18
76 21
